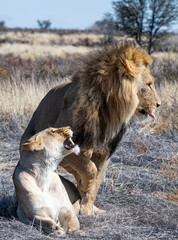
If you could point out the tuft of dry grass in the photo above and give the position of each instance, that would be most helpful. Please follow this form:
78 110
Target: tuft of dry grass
4 73
140 146
169 169
173 197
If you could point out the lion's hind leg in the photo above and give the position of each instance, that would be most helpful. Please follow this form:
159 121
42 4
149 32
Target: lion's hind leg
85 172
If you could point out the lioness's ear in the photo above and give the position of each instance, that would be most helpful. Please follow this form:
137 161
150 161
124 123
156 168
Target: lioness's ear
128 66
34 144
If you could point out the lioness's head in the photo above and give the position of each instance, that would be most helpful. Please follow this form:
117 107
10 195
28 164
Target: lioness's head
56 142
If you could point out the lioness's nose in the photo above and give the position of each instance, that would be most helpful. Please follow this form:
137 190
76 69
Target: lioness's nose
158 104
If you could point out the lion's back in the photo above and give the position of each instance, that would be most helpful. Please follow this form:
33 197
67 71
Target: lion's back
48 111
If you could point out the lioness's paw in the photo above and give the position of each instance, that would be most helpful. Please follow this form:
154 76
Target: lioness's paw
58 230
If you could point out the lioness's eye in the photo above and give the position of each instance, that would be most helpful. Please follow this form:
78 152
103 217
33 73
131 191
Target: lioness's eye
53 130
149 85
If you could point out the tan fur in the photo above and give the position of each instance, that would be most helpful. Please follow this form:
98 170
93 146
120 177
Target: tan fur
40 193
106 90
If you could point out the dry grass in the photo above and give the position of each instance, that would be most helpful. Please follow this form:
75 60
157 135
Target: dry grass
19 98
75 38
165 66
169 170
48 38
42 69
169 43
35 45
37 50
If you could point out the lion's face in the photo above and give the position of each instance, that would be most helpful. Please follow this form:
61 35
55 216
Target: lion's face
147 95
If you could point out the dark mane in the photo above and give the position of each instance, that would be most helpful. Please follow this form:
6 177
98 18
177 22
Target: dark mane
109 100
103 60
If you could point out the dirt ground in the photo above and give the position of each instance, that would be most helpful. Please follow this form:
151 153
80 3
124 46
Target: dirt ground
138 191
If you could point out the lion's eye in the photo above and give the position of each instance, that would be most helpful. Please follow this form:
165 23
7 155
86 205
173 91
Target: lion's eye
53 130
149 85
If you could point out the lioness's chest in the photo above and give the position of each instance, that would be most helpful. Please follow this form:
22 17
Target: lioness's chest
55 192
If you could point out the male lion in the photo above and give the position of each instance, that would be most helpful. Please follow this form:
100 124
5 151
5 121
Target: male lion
41 196
105 92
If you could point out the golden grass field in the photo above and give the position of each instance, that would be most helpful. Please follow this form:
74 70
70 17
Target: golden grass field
31 63
33 46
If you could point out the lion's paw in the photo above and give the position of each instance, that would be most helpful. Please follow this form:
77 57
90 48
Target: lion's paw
97 210
90 210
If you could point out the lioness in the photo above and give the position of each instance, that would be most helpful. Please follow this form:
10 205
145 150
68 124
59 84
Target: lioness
108 88
40 193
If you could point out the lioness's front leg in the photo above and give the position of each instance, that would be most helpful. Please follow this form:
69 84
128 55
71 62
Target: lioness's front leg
48 224
68 220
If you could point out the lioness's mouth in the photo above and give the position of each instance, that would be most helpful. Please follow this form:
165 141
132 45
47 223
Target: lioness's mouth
69 144
142 111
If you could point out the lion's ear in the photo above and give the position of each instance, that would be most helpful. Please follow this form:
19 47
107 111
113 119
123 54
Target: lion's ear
147 60
34 144
128 66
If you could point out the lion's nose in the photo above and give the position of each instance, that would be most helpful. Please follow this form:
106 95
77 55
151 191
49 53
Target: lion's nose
158 104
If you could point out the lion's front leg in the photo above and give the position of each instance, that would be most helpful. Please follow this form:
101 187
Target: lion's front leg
89 194
89 175
101 165
87 182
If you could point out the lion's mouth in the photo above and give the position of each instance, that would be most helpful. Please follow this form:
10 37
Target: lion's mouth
69 144
143 112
